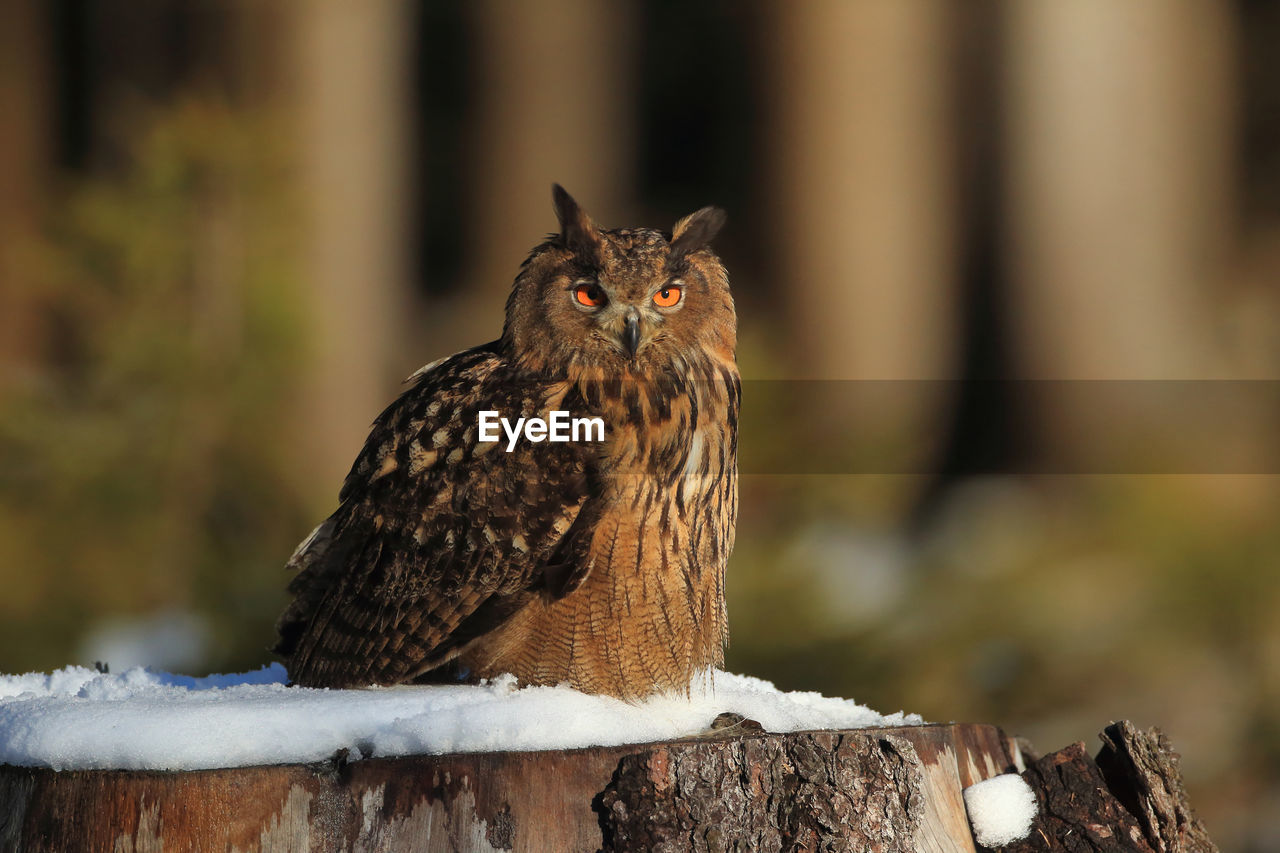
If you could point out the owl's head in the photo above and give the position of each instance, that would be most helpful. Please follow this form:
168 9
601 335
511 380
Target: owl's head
627 301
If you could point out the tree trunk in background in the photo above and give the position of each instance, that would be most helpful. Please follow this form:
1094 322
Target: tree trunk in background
1120 142
864 186
351 78
864 196
262 75
24 164
1119 210
554 100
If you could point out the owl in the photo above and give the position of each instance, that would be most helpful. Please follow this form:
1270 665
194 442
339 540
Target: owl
597 562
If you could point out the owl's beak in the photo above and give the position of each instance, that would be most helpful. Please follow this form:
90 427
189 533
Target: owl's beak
631 335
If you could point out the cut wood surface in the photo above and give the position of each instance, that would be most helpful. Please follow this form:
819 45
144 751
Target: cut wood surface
891 789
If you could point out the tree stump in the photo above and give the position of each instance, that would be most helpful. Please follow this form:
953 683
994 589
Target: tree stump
889 789
1129 799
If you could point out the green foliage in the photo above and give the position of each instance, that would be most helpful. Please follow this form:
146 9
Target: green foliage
145 467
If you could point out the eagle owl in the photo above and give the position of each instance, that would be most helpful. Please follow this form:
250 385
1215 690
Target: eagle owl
594 563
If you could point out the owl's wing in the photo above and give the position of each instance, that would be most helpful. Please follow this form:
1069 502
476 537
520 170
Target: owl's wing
439 537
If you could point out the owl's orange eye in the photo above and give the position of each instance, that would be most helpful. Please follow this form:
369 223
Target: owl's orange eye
668 297
589 294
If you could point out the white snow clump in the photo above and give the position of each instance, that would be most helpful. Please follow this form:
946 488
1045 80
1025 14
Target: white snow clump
1001 809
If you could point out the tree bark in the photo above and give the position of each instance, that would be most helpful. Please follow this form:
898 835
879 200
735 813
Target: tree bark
1142 770
1130 799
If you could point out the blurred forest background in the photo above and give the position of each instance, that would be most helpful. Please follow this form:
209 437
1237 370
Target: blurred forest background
1008 279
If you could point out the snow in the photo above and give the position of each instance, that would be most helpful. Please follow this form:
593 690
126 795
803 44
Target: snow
1001 809
78 718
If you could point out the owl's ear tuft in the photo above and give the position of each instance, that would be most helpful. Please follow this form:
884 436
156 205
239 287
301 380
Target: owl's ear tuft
577 232
695 231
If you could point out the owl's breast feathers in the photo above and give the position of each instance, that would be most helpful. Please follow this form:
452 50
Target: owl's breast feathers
600 565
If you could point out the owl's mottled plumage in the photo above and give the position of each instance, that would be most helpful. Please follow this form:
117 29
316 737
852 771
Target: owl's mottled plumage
596 564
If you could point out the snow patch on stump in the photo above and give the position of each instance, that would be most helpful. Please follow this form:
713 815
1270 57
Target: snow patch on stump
78 718
1001 809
